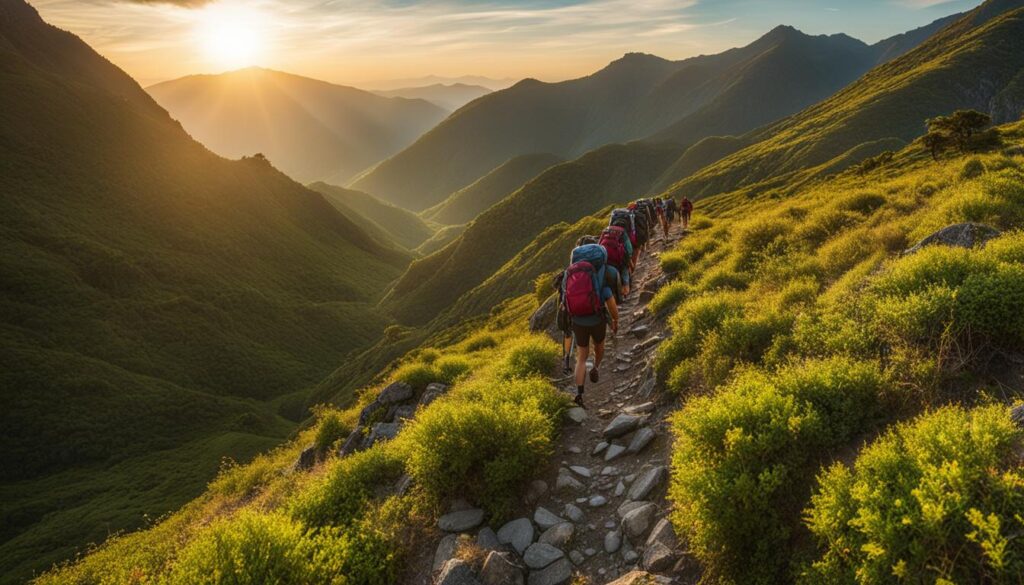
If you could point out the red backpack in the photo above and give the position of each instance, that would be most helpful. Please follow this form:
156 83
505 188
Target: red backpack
581 298
613 238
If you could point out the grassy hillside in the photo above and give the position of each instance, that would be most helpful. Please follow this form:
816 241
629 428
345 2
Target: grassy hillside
398 225
634 97
312 130
450 96
845 408
161 307
440 239
562 193
465 204
974 63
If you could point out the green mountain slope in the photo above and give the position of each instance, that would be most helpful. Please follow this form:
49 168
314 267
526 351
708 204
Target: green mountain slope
467 203
440 239
563 193
398 225
634 97
450 96
157 300
310 129
975 63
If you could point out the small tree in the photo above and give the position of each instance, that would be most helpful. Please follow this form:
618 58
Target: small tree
936 143
960 126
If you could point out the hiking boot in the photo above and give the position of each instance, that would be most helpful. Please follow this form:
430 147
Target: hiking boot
579 400
594 375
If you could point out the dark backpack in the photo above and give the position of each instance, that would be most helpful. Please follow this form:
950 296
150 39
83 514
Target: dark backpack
581 291
624 219
643 232
613 239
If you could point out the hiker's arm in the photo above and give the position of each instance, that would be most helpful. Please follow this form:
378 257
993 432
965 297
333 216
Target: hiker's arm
613 311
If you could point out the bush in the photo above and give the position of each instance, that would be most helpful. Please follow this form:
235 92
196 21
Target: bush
479 342
725 278
743 458
452 367
480 451
972 169
252 547
670 296
690 323
938 500
760 238
330 429
417 374
992 303
531 355
340 495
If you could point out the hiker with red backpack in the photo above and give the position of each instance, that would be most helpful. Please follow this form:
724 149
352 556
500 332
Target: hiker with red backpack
617 244
588 295
685 210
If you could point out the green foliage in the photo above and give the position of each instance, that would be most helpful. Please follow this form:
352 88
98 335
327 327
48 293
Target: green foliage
742 460
339 496
972 169
527 356
330 429
959 127
936 500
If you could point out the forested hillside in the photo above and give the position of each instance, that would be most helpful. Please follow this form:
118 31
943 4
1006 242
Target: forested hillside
393 224
162 307
310 129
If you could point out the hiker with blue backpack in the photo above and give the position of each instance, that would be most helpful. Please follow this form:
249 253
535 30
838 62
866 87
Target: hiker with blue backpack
589 289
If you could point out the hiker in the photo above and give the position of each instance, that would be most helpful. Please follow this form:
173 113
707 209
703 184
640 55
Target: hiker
671 207
642 228
659 210
618 240
685 210
589 293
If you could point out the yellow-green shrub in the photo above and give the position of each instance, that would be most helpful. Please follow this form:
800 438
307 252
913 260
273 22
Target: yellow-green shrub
527 356
743 459
938 500
340 495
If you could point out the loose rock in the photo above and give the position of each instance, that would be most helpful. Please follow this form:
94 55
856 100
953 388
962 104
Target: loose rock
457 572
517 533
613 451
658 558
621 425
576 414
597 501
574 513
434 391
641 578
546 518
580 471
558 535
306 459
557 573
487 539
540 555
500 568
637 522
445 551
566 481
461 521
612 541
647 482
394 393
641 439
577 557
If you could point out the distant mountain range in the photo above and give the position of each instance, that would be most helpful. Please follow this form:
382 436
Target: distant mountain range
488 82
635 97
449 96
161 307
312 130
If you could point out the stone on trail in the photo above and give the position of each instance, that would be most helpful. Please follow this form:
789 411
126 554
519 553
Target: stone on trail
486 539
597 501
641 438
574 513
658 558
517 533
628 507
612 541
580 471
500 568
600 447
663 533
566 481
546 518
613 451
394 393
620 488
637 522
645 408
647 483
540 555
650 342
576 415
457 572
574 450
621 425
558 535
640 331
590 552
576 557
445 551
609 471
461 521
557 573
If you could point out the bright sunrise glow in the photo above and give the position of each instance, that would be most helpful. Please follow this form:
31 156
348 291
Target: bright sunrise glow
232 35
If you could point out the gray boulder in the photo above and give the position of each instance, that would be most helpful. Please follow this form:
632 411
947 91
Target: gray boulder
658 558
306 459
566 481
456 572
544 316
576 414
445 551
557 573
368 411
641 439
403 412
647 483
621 425
461 520
381 432
558 535
574 513
500 568
637 522
352 443
517 533
612 541
961 235
395 393
434 391
487 539
540 555
546 518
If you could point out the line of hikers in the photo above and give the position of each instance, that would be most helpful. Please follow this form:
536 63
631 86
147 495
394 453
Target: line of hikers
598 278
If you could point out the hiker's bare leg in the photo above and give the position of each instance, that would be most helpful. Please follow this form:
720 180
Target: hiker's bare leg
581 365
598 354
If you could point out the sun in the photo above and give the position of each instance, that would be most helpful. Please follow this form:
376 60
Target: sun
231 35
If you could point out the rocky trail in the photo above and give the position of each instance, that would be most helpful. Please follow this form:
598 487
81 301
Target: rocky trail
597 514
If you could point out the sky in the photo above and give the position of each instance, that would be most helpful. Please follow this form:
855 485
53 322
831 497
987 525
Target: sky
369 43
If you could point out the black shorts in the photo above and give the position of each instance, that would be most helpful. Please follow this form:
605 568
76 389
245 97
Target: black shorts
584 333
